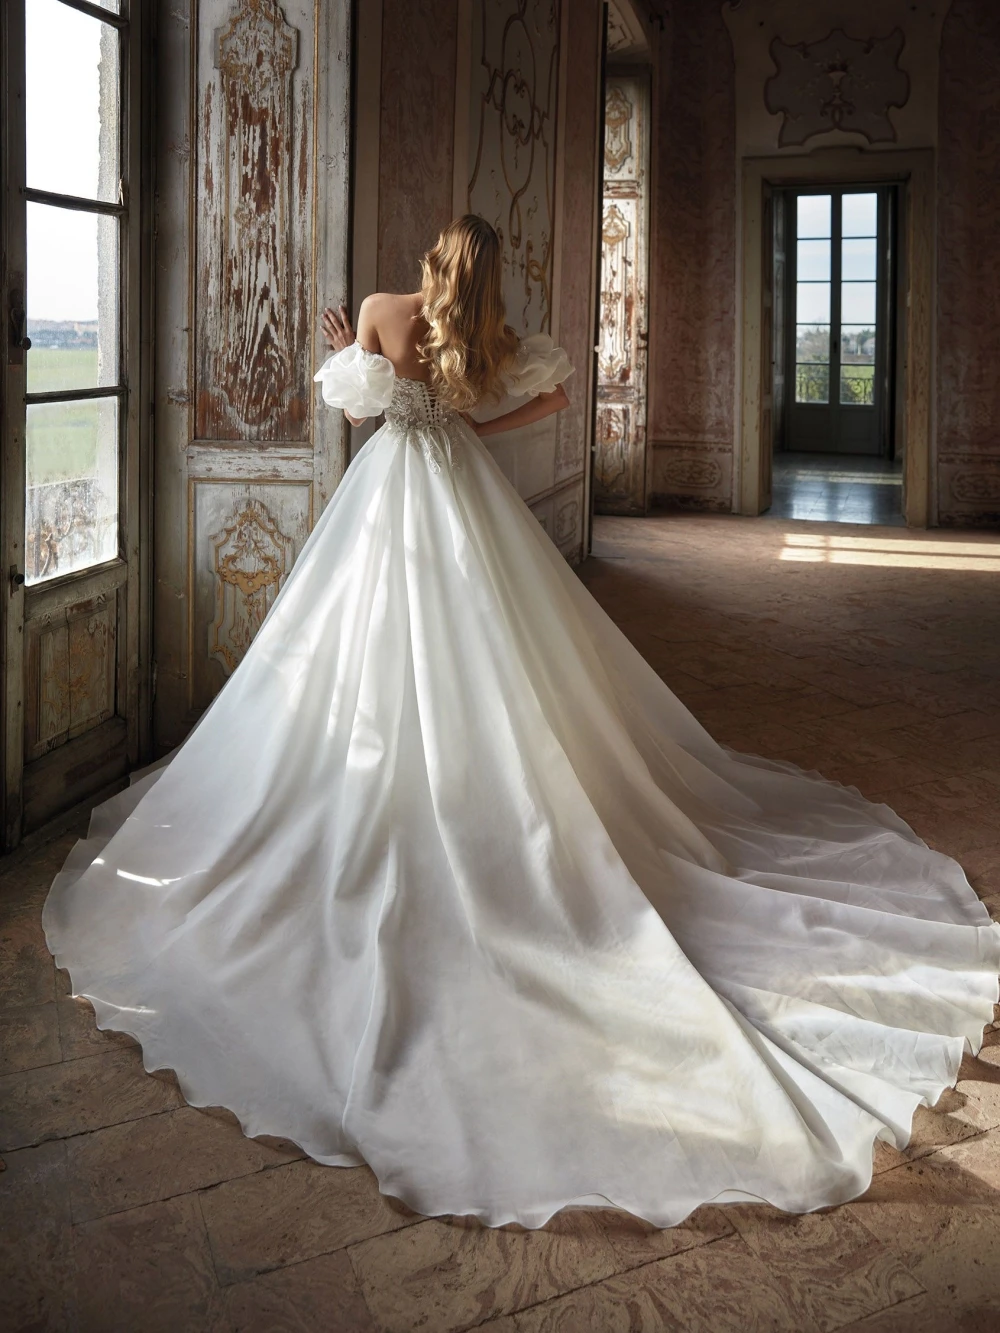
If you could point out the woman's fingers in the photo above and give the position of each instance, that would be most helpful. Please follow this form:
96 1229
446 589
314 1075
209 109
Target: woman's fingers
337 328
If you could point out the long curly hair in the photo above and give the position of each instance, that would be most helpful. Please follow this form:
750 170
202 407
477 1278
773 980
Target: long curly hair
468 344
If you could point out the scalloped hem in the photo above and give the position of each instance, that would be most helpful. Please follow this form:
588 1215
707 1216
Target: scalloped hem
428 1206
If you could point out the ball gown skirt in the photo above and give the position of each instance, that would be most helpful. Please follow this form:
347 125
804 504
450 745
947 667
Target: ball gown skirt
446 880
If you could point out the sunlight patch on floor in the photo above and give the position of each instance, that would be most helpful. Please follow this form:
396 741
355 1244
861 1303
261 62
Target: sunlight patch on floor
898 551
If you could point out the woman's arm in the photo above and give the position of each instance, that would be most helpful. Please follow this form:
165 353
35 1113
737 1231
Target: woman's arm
338 333
542 405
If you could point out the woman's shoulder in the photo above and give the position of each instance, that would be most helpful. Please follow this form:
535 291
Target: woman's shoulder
403 302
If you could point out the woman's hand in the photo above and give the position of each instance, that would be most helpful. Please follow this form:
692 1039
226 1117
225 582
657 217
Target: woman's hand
473 425
337 330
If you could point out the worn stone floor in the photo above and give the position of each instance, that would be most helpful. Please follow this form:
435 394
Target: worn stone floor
869 653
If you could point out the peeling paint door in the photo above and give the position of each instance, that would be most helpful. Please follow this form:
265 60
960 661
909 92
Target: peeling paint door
74 380
252 242
620 445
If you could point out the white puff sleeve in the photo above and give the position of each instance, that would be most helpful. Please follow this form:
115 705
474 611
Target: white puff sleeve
538 368
357 380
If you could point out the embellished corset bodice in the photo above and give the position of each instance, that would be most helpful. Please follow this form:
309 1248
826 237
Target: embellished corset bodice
415 404
416 409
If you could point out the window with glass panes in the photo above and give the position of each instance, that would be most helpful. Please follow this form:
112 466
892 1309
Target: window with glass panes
75 213
836 290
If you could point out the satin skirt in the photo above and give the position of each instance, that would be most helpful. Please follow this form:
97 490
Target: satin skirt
446 880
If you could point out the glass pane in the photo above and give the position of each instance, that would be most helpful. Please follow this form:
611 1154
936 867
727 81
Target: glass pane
71 509
812 342
813 260
858 259
860 215
857 386
857 303
71 101
812 384
72 292
812 303
857 344
813 215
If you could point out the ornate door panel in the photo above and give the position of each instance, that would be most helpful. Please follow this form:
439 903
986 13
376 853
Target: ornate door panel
253 159
620 454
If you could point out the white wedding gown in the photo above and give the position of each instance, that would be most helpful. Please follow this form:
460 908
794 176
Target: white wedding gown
446 880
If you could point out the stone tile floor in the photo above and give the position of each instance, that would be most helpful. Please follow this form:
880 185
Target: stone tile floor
840 488
870 654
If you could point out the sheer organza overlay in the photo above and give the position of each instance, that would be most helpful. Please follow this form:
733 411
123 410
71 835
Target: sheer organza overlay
448 881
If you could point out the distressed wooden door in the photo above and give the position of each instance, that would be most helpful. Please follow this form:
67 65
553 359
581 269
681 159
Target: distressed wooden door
74 541
252 242
620 444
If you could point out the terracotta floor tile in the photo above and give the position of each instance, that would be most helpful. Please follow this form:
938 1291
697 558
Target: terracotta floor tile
636 1243
148 1269
825 1264
29 1037
291 1213
157 1157
36 1249
318 1296
450 1275
79 1095
27 972
718 1288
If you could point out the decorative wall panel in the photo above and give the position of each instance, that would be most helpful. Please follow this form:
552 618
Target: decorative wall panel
252 218
512 172
71 658
968 266
416 140
838 83
244 542
693 257
253 304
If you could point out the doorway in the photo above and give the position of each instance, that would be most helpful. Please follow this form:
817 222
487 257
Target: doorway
830 481
835 456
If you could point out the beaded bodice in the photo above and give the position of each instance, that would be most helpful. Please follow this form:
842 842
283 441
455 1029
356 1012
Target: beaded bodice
413 406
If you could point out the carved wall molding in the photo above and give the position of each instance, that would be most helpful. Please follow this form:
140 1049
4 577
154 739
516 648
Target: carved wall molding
250 558
838 83
254 230
513 146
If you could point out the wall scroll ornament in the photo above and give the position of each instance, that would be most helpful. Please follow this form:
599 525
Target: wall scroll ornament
617 129
839 83
513 159
250 558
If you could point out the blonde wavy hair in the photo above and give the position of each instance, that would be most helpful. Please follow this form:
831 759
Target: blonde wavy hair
469 345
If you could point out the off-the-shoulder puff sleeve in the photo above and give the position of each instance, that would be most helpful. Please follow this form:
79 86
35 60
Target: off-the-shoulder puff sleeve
538 368
357 380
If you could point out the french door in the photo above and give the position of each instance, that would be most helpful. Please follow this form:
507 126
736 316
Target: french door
839 325
71 531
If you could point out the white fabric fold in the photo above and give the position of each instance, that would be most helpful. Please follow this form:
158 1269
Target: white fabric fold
359 381
538 368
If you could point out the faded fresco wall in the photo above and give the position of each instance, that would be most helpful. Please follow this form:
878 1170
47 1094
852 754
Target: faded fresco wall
693 263
523 154
902 76
968 259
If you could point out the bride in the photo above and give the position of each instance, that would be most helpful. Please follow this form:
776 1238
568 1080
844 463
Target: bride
446 880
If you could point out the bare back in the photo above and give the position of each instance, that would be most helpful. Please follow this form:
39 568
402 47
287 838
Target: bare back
393 325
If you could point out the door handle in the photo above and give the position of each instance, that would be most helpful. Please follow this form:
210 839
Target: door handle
16 578
19 341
